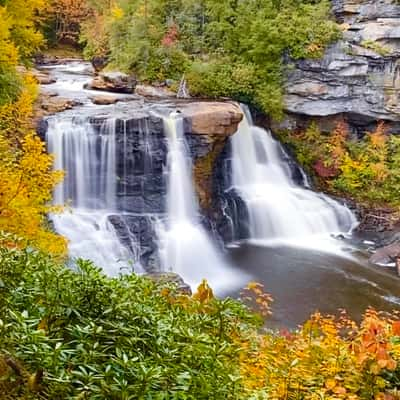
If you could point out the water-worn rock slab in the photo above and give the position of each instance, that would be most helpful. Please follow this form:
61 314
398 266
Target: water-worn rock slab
154 92
55 104
104 100
386 255
115 81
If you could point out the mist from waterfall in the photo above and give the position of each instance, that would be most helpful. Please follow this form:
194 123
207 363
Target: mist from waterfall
88 190
185 246
279 209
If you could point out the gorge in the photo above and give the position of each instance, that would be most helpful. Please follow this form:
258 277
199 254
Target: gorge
133 205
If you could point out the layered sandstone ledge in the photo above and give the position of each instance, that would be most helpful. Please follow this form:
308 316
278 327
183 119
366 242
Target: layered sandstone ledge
358 77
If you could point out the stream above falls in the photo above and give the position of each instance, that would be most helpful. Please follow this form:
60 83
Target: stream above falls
132 205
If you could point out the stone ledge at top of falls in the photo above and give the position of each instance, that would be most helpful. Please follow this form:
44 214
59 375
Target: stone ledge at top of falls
213 118
208 118
359 75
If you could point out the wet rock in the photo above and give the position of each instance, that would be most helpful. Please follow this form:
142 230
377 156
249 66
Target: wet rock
163 278
386 255
377 219
205 150
42 77
49 93
116 82
137 233
45 59
41 128
98 63
53 105
208 127
230 213
104 100
154 92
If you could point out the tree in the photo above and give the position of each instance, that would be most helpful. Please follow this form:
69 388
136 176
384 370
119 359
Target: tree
67 16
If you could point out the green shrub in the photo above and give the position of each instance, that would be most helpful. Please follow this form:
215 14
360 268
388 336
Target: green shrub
226 48
10 85
81 335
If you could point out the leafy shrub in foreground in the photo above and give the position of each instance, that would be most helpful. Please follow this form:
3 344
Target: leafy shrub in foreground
80 335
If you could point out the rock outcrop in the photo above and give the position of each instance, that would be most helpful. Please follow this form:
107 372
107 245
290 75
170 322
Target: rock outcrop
386 255
103 100
154 92
210 124
213 118
116 82
170 278
50 103
360 75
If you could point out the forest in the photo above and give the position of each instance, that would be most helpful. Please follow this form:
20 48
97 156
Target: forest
70 331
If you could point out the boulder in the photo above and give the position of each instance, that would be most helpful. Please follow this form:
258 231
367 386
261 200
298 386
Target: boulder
42 77
170 277
213 118
154 92
386 255
104 100
98 63
52 105
116 82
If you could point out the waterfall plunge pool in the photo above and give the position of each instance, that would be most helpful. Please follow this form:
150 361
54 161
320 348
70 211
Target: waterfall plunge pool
302 281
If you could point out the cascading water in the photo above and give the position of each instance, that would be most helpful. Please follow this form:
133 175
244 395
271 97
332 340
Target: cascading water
185 247
280 210
89 159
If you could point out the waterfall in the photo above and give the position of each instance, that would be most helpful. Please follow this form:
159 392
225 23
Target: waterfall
88 191
185 247
279 209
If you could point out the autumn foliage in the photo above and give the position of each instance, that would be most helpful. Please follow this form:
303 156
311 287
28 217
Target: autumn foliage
68 334
366 169
67 16
26 179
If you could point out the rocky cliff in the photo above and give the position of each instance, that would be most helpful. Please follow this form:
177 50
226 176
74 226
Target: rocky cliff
359 76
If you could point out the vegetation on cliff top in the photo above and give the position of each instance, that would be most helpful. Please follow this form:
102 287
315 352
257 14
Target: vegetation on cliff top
224 48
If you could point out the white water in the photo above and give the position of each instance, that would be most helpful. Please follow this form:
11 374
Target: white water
280 210
185 247
89 188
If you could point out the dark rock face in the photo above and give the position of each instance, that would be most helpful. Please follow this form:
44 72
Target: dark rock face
98 63
229 210
360 75
136 232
